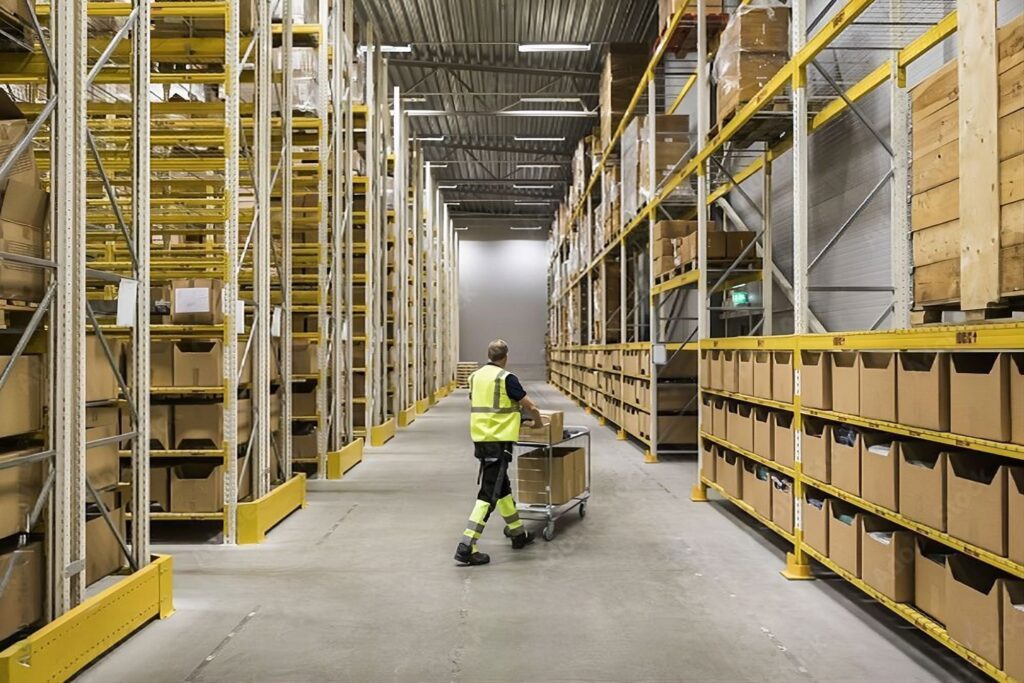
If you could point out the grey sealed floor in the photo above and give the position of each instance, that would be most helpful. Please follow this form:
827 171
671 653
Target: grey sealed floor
361 586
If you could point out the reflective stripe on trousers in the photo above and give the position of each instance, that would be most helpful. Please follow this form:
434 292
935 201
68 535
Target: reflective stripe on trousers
475 527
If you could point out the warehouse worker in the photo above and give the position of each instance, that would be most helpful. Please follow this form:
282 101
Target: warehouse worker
497 398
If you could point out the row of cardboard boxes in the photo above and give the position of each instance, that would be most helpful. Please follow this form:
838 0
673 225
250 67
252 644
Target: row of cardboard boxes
629 361
675 245
975 497
975 394
980 607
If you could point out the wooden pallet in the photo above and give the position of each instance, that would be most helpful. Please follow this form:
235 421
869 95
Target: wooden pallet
463 371
768 125
714 265
931 313
16 314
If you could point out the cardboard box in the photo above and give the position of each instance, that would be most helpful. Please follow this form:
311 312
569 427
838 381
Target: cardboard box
22 602
1013 630
880 467
976 500
745 372
922 478
742 77
814 515
845 369
161 364
1015 514
197 487
565 471
102 463
716 381
19 489
923 390
761 418
729 473
550 432
201 364
21 398
974 594
782 439
103 554
782 376
201 425
676 429
13 126
730 371
161 422
708 456
845 526
720 407
197 302
878 385
887 559
845 459
782 501
815 380
762 362
740 425
100 380
979 395
676 398
304 444
306 359
705 368
816 448
757 488
1017 397
930 560
23 216
304 400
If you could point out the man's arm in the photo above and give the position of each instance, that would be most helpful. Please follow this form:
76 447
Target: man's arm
515 391
531 410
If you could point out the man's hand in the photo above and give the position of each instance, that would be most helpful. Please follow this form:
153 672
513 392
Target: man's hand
531 424
532 414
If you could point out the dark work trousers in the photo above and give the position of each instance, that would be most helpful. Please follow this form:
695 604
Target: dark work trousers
495 458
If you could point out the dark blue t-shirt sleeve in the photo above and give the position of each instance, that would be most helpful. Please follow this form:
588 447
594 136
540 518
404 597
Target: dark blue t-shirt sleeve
513 388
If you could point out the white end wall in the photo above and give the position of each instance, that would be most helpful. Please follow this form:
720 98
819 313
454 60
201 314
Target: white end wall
503 293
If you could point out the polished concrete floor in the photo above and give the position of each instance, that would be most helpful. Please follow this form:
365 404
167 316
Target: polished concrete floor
361 586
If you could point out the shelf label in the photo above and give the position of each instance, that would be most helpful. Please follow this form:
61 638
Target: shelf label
967 337
275 322
127 295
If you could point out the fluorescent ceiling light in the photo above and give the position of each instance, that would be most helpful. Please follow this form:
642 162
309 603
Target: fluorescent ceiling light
533 203
550 100
517 227
414 98
388 48
453 203
554 47
436 138
534 187
447 187
433 165
538 166
519 138
461 229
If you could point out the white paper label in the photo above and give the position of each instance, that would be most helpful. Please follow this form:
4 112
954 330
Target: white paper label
344 331
275 322
192 300
240 315
127 294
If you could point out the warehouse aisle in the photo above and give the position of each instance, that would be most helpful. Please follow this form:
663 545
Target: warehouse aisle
361 587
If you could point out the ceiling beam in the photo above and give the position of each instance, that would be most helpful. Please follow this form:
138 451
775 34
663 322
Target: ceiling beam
491 68
496 148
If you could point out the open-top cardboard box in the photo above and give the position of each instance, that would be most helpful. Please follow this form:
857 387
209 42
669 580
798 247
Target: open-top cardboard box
879 473
979 395
923 390
976 500
845 459
974 604
845 371
782 438
782 501
708 456
845 523
549 432
729 473
887 559
740 425
782 376
745 372
930 560
922 477
761 418
21 603
878 385
1015 514
814 513
21 398
816 448
1013 630
757 487
197 301
815 380
762 363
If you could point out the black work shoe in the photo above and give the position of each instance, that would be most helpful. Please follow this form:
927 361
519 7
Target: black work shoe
522 540
464 555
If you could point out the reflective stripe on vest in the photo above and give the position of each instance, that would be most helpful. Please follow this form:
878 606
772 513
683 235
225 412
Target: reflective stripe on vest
494 416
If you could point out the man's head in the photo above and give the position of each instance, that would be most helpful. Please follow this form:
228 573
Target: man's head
497 352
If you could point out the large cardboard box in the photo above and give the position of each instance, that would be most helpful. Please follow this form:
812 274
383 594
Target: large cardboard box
922 477
1015 514
201 364
880 467
761 417
306 359
161 364
762 362
845 525
197 487
676 429
845 461
782 376
845 371
814 514
708 456
676 398
979 395
19 489
930 560
729 473
730 371
624 66
23 215
197 302
13 126
704 368
102 463
1013 630
878 385
716 381
21 398
720 407
815 380
22 602
782 439
565 471
976 500
782 501
550 431
201 425
103 555
741 77
100 380
887 559
745 372
1017 397
923 390
757 488
161 422
740 427
974 598
816 448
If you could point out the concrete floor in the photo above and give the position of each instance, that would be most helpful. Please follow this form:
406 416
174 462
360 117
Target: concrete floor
361 586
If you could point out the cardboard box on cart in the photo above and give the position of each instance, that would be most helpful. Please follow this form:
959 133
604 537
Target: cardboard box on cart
550 430
565 471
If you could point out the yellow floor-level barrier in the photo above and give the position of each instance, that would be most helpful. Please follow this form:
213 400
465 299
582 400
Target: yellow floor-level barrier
340 462
382 433
255 519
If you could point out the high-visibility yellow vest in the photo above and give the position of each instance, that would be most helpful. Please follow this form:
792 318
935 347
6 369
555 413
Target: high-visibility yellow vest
494 416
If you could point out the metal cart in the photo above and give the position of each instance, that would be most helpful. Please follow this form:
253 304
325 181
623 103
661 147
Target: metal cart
540 505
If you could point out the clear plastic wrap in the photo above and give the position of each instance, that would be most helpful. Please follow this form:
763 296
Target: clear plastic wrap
752 48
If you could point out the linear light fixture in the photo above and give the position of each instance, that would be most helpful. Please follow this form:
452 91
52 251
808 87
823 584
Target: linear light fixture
519 138
538 166
435 138
413 98
519 227
388 48
453 203
533 187
447 187
554 47
550 100
532 203
461 229
433 165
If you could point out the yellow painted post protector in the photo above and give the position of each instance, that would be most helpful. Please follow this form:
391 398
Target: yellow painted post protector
255 519
340 462
422 406
382 433
795 571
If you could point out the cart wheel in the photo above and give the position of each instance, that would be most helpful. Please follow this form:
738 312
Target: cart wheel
583 510
549 532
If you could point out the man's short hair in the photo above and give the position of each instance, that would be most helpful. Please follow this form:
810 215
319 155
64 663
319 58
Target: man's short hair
497 350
